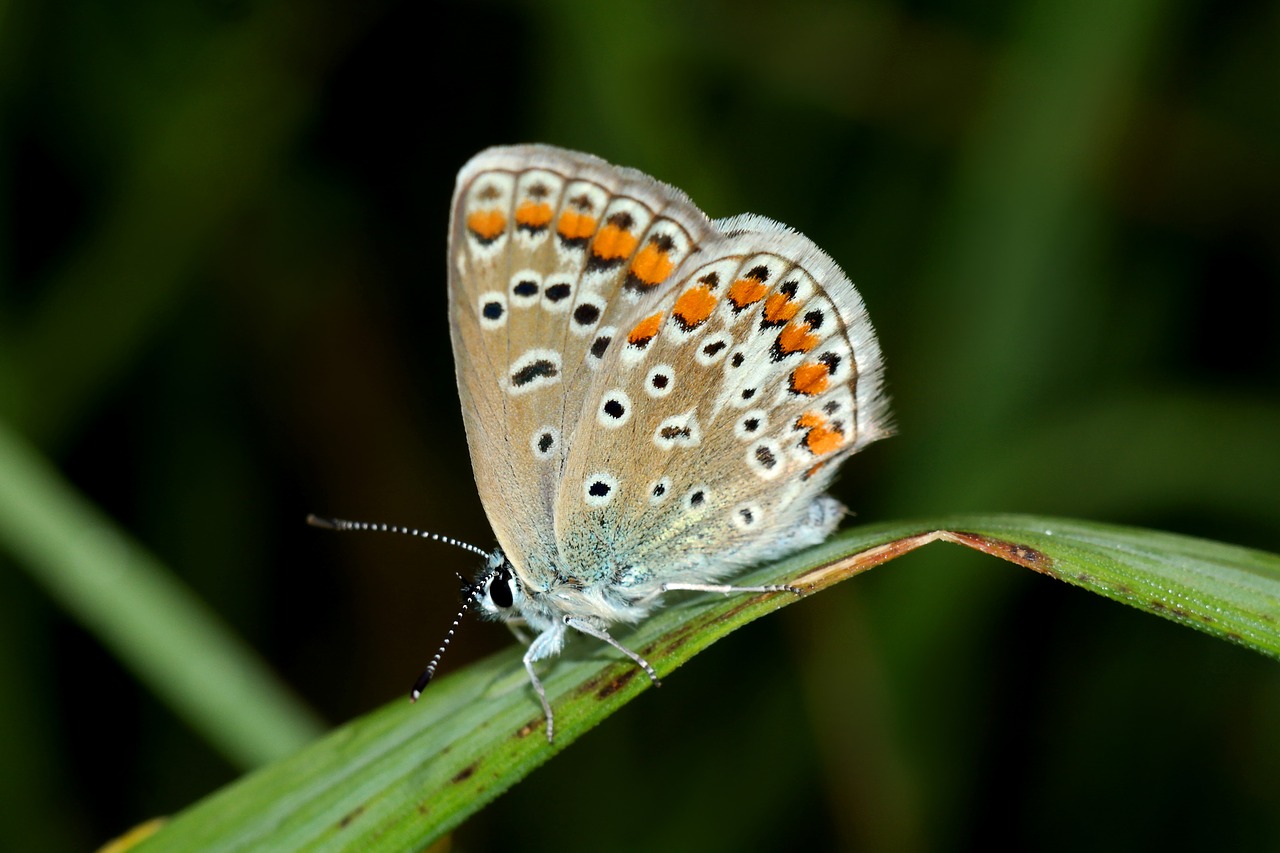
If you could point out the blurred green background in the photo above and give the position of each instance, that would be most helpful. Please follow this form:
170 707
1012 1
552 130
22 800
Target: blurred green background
222 294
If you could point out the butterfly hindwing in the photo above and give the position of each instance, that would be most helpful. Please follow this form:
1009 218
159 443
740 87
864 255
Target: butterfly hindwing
761 372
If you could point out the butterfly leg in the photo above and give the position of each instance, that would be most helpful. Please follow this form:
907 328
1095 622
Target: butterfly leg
599 633
728 589
542 693
544 645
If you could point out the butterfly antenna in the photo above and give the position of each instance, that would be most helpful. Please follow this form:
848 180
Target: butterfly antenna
469 590
365 526
468 595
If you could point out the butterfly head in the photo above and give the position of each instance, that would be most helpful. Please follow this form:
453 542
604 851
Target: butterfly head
496 590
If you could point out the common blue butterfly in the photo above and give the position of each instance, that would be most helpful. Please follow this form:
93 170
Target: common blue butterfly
653 400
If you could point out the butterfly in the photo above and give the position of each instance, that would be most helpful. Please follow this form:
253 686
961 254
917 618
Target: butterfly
653 400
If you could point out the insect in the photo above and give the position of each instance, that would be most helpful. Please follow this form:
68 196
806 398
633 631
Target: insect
653 400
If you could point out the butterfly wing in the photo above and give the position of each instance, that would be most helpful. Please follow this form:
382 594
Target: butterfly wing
719 416
551 254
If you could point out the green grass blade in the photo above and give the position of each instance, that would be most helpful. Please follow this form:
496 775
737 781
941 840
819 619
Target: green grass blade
403 775
1230 592
146 616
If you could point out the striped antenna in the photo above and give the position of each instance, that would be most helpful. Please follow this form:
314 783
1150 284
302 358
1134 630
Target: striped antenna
470 591
370 527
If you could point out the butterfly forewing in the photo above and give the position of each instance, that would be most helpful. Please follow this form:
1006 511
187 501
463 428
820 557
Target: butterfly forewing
552 254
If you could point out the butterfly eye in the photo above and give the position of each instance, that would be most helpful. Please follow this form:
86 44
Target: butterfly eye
501 590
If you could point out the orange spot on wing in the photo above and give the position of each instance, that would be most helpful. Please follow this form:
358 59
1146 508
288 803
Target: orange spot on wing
533 214
694 306
746 291
487 224
822 439
652 265
645 330
576 226
810 419
779 308
795 338
810 379
613 243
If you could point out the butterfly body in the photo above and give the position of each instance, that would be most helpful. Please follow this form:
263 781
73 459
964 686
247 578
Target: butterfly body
653 400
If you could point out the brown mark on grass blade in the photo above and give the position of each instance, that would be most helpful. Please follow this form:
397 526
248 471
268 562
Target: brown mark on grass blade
824 576
350 816
613 685
1014 552
1023 555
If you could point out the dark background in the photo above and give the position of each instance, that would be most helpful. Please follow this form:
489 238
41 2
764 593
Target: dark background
222 306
